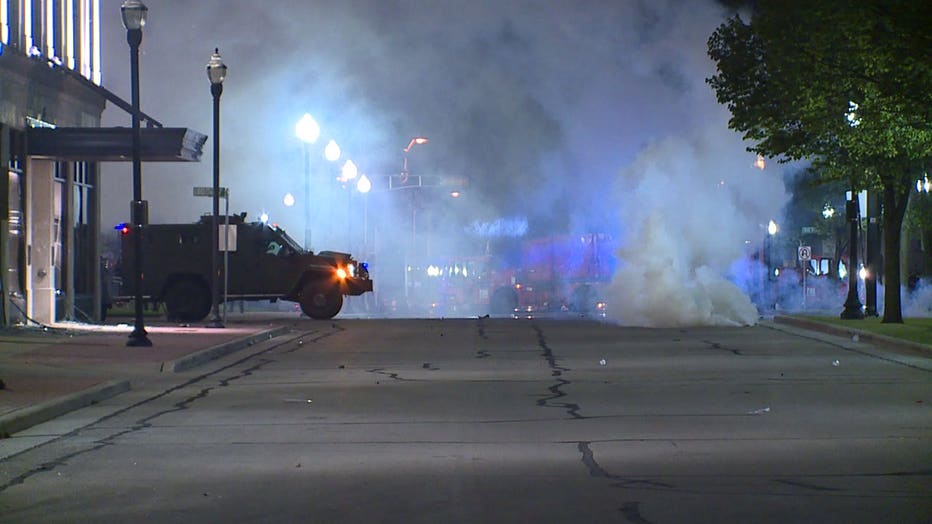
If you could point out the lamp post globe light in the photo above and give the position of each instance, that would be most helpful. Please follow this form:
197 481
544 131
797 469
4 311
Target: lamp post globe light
308 131
134 19
216 73
349 171
332 152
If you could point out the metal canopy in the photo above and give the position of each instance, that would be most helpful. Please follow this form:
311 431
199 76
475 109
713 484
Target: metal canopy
114 144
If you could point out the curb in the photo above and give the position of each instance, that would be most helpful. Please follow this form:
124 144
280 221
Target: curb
39 413
866 336
212 353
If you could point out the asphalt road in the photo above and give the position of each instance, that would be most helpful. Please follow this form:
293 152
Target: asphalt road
502 420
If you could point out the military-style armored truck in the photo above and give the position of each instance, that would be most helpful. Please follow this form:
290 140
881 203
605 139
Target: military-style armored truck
264 264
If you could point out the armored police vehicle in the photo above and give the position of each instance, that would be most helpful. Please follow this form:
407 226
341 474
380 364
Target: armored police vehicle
264 264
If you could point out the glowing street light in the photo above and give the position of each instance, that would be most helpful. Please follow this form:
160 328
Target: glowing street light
416 141
349 171
760 163
307 129
332 151
288 200
772 228
363 185
828 211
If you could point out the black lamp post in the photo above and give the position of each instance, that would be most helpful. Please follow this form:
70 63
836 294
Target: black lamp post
216 73
853 305
134 18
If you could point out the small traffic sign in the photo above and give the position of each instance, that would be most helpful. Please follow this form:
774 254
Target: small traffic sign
209 192
805 253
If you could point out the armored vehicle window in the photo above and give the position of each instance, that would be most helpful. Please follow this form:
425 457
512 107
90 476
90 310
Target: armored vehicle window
276 249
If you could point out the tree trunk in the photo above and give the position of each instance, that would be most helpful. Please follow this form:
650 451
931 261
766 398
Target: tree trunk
894 209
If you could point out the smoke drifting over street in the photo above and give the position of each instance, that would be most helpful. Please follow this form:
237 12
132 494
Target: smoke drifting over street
554 118
687 204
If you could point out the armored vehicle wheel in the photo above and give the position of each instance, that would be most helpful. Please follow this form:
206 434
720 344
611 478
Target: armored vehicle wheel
504 301
321 303
187 300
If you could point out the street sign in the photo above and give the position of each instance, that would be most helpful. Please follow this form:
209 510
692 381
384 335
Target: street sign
209 192
227 237
805 253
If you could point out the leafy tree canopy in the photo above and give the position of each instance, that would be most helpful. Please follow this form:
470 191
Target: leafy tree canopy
845 84
838 82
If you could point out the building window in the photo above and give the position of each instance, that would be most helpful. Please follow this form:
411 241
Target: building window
66 32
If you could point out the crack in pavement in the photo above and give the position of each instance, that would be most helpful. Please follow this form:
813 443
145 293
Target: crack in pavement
620 481
393 376
145 422
480 326
716 345
555 390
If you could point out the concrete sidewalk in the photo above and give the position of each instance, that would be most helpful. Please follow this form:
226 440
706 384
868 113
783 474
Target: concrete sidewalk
49 372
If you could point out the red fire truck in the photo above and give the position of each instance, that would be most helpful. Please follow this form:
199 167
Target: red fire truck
553 273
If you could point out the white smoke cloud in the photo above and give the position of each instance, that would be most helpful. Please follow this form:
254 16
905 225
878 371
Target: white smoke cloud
690 207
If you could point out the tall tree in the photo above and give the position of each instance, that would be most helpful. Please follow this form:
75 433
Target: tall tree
847 85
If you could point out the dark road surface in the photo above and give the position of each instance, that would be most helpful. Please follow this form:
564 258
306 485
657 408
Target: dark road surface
502 420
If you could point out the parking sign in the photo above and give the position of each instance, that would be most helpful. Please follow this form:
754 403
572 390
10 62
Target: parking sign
805 253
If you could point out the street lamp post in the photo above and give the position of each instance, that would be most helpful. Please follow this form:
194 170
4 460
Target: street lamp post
308 131
134 19
768 293
852 309
364 185
853 305
348 172
415 141
216 73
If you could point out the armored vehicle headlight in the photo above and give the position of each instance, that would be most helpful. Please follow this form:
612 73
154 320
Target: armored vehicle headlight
351 269
341 273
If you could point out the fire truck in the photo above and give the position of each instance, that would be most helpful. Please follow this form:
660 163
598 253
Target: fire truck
264 263
553 273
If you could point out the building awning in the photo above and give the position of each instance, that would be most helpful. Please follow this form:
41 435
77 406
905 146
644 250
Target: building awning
114 144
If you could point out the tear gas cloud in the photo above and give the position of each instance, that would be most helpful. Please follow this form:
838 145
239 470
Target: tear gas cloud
586 116
689 203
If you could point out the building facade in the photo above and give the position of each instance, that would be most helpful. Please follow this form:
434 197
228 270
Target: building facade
51 144
48 222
